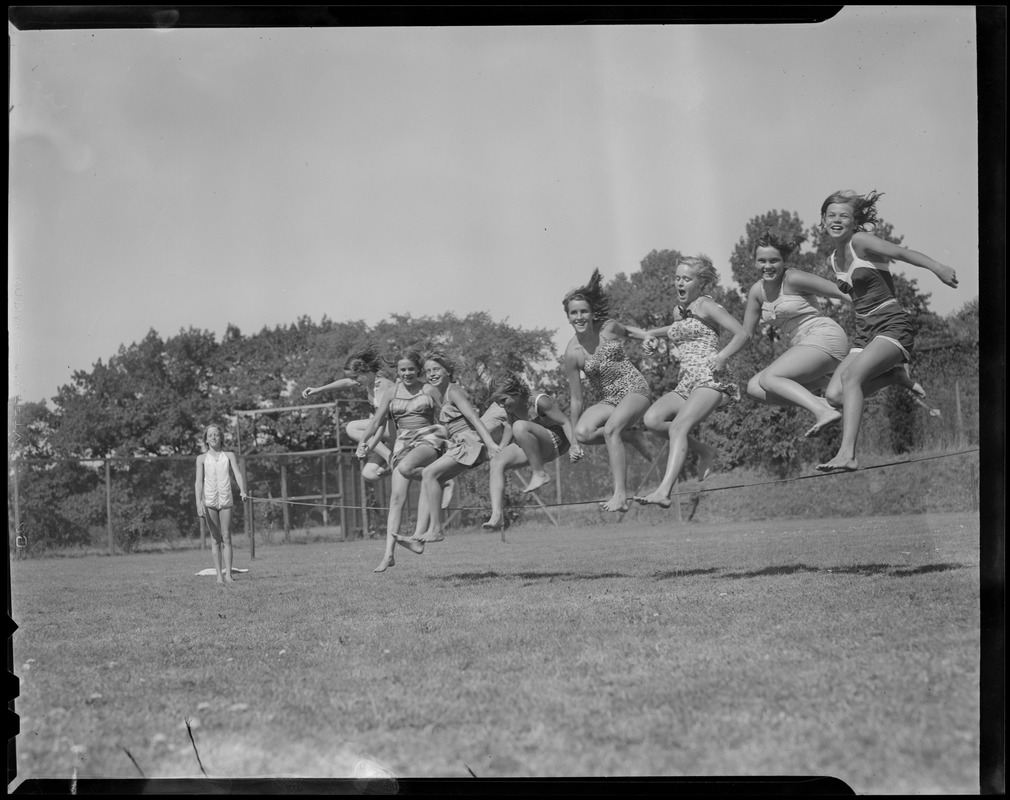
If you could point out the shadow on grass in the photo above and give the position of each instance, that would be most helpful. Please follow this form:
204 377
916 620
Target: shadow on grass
486 576
531 577
854 569
682 573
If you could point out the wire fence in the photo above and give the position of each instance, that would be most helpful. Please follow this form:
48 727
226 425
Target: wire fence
126 505
123 504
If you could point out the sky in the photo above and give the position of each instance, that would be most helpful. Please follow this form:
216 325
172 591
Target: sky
195 178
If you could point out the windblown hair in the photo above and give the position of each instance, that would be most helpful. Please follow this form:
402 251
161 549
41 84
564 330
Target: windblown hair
864 206
433 354
512 386
703 269
367 359
593 294
783 242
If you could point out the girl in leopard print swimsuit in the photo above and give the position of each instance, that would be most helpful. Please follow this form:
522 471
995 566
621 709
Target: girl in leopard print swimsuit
597 352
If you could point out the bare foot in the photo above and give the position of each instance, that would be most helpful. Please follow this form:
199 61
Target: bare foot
229 579
387 561
220 579
903 377
657 498
615 503
830 416
493 524
839 464
537 480
412 545
428 536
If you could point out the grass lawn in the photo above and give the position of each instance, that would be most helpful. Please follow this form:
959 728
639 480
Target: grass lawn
843 647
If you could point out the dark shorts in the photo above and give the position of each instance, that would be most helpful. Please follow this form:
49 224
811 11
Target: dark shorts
561 443
890 322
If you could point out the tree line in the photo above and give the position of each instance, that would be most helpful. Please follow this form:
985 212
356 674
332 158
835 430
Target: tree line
154 397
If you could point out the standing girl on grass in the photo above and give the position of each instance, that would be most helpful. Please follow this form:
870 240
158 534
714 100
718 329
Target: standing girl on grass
214 470
471 441
884 334
363 368
412 405
596 351
535 433
698 321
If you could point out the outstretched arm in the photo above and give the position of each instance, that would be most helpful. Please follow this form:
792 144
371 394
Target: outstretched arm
340 383
798 281
867 242
618 329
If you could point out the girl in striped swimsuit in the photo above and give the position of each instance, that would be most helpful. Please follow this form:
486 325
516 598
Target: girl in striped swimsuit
471 442
412 405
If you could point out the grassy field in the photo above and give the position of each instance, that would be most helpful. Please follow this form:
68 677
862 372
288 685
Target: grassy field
842 647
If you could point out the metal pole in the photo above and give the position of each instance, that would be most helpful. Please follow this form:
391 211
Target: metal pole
108 504
557 480
341 483
326 511
960 420
363 488
284 501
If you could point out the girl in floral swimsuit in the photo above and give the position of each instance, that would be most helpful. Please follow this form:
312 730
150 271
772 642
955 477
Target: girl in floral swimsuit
596 350
695 333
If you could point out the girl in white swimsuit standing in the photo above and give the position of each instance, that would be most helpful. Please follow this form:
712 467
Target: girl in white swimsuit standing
214 471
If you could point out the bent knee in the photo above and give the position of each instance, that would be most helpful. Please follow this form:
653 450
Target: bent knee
371 472
653 420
